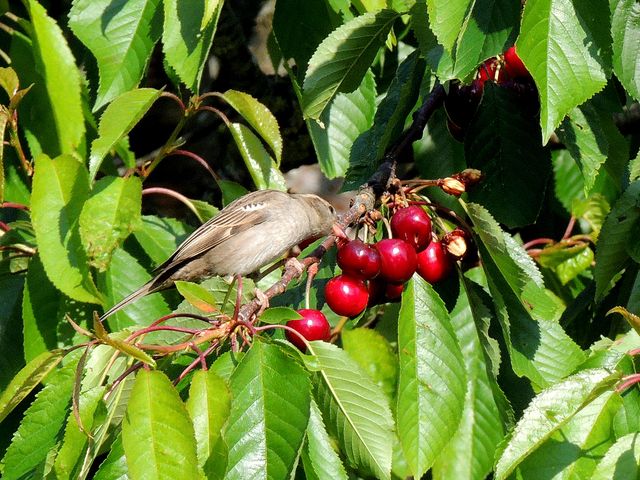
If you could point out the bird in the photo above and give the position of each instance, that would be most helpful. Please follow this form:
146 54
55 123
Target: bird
247 234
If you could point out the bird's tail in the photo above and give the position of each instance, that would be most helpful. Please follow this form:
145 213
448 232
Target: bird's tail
147 288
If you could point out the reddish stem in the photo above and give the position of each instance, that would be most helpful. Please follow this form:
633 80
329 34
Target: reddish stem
570 225
538 241
198 159
175 98
4 227
628 381
18 206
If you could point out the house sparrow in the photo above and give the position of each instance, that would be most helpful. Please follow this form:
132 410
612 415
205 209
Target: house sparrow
247 234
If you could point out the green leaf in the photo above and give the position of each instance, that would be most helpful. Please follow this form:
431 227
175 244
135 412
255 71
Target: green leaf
347 116
568 261
625 30
568 179
55 62
118 119
230 191
616 235
40 428
259 117
367 152
157 433
27 379
188 32
622 460
269 414
74 446
124 276
159 237
538 346
263 169
208 405
110 214
589 430
121 39
4 118
319 457
198 296
486 415
342 59
9 81
593 211
432 380
548 413
114 466
447 19
586 141
634 168
120 345
375 356
313 23
276 315
60 188
42 312
566 48
501 144
354 409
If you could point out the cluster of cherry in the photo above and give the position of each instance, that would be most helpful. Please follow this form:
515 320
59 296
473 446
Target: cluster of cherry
376 273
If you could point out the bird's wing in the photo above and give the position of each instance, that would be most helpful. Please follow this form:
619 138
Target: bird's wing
235 218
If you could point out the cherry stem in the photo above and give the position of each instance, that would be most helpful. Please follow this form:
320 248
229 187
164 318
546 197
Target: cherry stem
18 206
538 241
335 333
160 328
201 360
125 374
174 97
197 158
171 193
283 327
219 113
628 381
570 225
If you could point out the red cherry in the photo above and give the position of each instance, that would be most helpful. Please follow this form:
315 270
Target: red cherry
433 263
359 260
413 225
513 65
313 326
398 260
346 295
393 291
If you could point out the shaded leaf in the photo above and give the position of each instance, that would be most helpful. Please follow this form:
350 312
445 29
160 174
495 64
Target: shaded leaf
368 150
622 460
27 379
501 144
55 62
615 236
60 188
566 48
110 214
549 412
41 426
187 35
625 30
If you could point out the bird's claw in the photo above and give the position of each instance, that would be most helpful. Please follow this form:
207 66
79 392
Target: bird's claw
264 301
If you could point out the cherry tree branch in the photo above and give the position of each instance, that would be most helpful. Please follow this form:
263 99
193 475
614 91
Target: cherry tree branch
363 202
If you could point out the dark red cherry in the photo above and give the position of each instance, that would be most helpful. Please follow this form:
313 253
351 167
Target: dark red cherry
413 225
346 295
398 260
360 260
313 326
434 263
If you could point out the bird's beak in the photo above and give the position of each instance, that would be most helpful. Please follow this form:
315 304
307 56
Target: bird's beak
338 232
